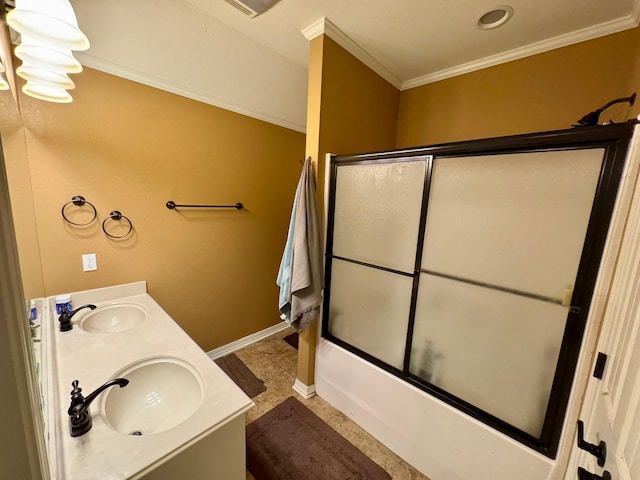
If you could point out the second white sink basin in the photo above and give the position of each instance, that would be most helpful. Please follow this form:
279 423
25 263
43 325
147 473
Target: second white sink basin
113 318
162 393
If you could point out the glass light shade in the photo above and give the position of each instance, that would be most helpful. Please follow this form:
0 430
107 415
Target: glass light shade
55 59
48 93
52 22
41 76
3 82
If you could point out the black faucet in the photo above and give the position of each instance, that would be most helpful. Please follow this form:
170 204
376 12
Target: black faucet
65 317
79 413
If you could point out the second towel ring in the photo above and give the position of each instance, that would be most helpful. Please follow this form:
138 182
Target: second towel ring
79 201
117 216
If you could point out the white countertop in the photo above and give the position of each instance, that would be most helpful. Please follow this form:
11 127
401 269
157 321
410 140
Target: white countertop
93 359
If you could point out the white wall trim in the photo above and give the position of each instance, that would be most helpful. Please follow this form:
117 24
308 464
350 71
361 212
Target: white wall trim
306 391
152 81
324 26
607 28
246 341
315 29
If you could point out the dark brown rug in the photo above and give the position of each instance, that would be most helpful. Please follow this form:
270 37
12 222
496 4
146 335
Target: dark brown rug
241 375
291 442
292 340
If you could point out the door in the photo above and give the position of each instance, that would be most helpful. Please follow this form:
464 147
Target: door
468 272
611 412
504 239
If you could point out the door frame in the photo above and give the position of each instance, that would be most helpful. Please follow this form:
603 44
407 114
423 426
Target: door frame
623 224
19 383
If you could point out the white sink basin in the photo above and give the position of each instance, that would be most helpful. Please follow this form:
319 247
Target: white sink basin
113 318
162 393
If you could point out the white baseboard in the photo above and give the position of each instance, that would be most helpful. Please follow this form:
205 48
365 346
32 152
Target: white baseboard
246 341
307 391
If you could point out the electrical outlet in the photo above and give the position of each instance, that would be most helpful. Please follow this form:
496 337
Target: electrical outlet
89 262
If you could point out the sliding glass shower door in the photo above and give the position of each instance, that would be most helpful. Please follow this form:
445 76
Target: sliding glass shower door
377 210
469 273
501 252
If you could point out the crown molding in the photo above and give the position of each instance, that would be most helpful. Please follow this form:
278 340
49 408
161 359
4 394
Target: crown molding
324 26
315 29
152 81
607 28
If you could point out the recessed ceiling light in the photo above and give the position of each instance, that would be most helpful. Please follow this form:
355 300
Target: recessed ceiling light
495 17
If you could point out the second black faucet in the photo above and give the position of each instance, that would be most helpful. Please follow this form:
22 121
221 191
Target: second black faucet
65 317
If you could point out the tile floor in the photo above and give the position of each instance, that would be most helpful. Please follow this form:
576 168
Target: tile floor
275 362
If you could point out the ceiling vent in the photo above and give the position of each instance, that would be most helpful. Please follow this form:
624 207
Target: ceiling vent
252 8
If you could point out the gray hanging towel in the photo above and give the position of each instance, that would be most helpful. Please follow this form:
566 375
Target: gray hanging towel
300 274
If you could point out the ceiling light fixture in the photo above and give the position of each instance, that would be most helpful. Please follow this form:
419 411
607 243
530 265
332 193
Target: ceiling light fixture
47 92
42 76
52 22
4 85
55 59
49 32
495 17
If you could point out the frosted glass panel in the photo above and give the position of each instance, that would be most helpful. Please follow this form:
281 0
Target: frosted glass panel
517 221
377 213
495 350
369 309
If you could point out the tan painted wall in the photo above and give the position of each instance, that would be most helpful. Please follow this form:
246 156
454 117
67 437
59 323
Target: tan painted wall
350 109
634 72
358 109
548 91
128 147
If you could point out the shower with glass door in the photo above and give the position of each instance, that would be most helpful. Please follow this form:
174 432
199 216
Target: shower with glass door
467 269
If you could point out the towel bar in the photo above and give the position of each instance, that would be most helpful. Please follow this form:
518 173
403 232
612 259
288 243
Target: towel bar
171 205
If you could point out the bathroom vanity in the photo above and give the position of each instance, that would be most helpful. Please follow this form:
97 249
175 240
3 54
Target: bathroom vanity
179 416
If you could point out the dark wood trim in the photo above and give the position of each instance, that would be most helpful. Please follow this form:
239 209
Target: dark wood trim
552 140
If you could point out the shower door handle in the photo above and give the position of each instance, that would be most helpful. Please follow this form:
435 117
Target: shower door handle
587 475
599 451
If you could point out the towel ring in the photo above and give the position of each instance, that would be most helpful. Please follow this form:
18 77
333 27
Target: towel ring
79 201
116 216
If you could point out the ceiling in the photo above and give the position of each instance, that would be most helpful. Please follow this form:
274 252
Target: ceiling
210 51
